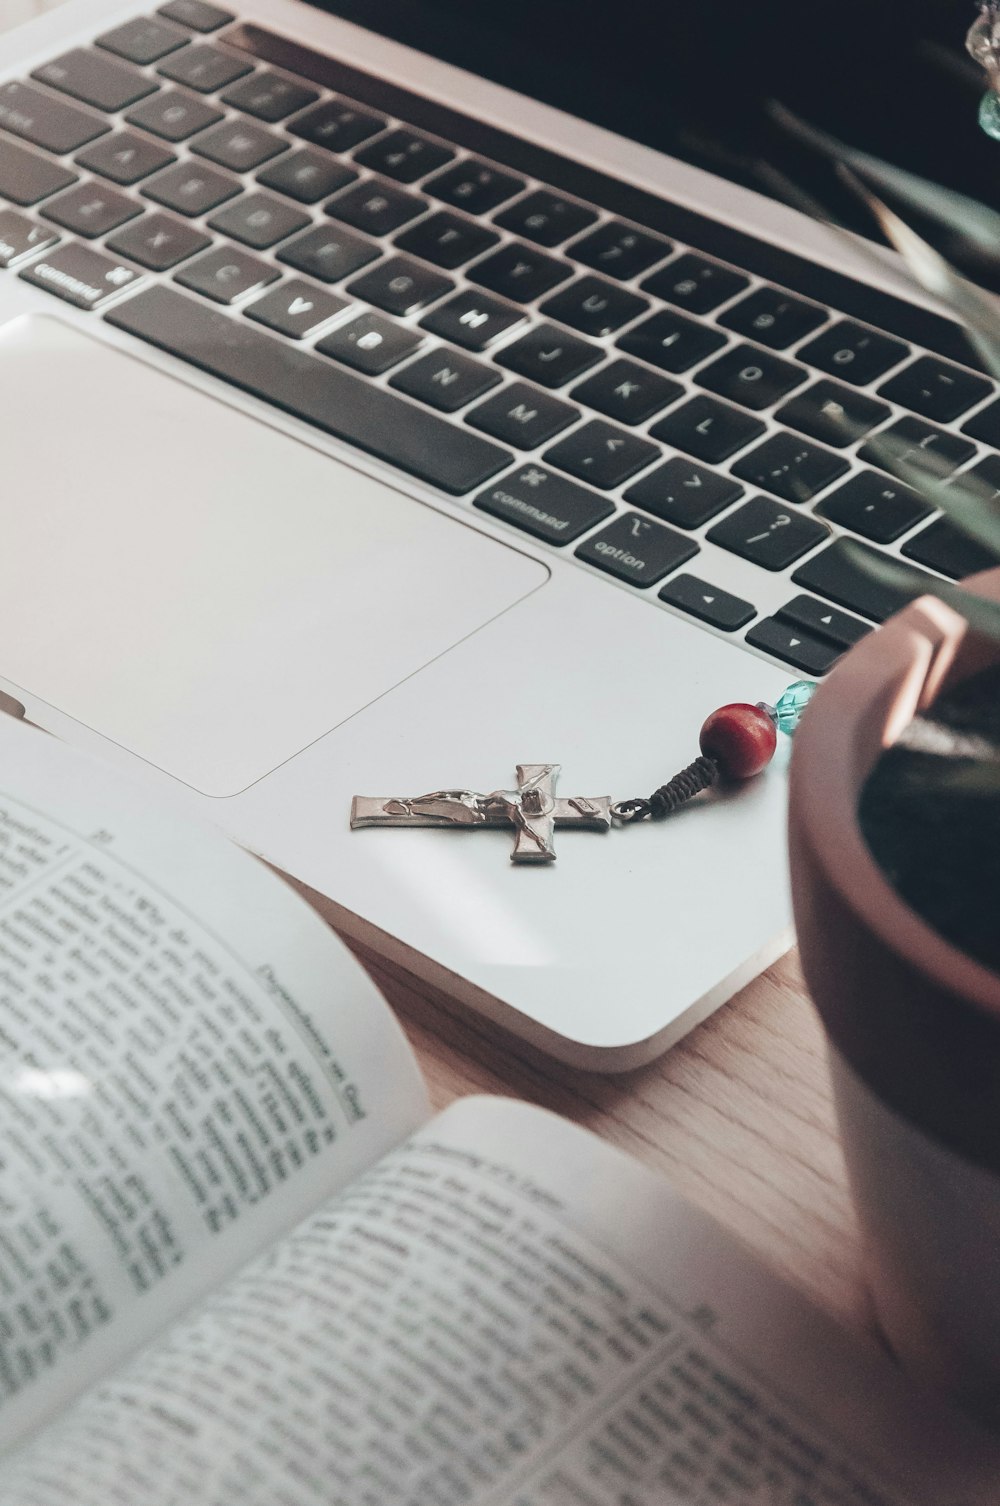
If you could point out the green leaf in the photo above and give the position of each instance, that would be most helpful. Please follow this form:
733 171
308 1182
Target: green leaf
976 224
929 268
982 614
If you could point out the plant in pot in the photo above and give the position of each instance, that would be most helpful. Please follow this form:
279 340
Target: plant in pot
894 839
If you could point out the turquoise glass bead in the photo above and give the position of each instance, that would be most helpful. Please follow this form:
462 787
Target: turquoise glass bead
792 703
989 114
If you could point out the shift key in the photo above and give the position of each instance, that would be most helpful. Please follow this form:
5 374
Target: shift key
544 504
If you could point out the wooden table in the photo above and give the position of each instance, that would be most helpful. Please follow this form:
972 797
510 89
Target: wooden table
738 1115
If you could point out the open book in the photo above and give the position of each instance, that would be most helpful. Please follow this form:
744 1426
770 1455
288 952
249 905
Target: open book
240 1265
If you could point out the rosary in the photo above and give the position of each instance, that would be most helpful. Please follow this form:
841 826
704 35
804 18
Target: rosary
737 742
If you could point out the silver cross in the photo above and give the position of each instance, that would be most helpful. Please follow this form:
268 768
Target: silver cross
532 809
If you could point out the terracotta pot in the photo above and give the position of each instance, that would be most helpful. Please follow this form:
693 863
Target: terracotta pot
913 1024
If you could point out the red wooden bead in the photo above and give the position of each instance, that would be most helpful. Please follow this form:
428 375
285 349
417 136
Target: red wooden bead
740 738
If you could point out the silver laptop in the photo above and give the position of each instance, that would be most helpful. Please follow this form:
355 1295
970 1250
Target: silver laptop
370 429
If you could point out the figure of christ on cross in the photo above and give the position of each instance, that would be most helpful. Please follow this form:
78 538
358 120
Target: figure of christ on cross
532 809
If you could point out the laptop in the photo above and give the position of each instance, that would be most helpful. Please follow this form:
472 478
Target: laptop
385 408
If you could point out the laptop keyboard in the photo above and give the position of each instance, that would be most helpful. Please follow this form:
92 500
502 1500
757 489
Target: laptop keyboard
609 373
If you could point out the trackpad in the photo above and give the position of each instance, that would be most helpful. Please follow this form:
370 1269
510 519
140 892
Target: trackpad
198 587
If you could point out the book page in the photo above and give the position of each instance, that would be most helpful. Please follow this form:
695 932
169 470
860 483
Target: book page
507 1312
189 1061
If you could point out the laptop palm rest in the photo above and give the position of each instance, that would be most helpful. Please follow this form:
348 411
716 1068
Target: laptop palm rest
198 587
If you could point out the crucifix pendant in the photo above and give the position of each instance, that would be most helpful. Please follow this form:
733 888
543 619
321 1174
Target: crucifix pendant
532 810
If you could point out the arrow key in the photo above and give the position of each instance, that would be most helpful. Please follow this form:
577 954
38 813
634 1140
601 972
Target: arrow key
819 618
793 645
296 308
706 602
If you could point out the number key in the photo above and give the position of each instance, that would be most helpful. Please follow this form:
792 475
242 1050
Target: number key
853 352
693 283
773 318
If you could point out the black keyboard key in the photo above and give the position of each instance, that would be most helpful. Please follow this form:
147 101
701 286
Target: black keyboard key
549 355
595 307
95 79
173 115
191 188
306 175
91 210
446 240
45 121
985 425
708 429
158 242
634 549
770 317
474 186
684 493
910 444
767 534
984 478
544 504
26 178
834 574
446 379
226 274
197 14
833 414
707 602
328 253
793 645
519 272
620 250
296 308
337 125
943 546
80 275
144 40
523 416
790 467
404 155
20 236
377 208
239 145
853 352
472 320
875 506
125 157
545 218
259 221
671 341
753 378
824 621
935 389
695 283
601 454
627 392
319 392
203 68
269 97
400 286
371 343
